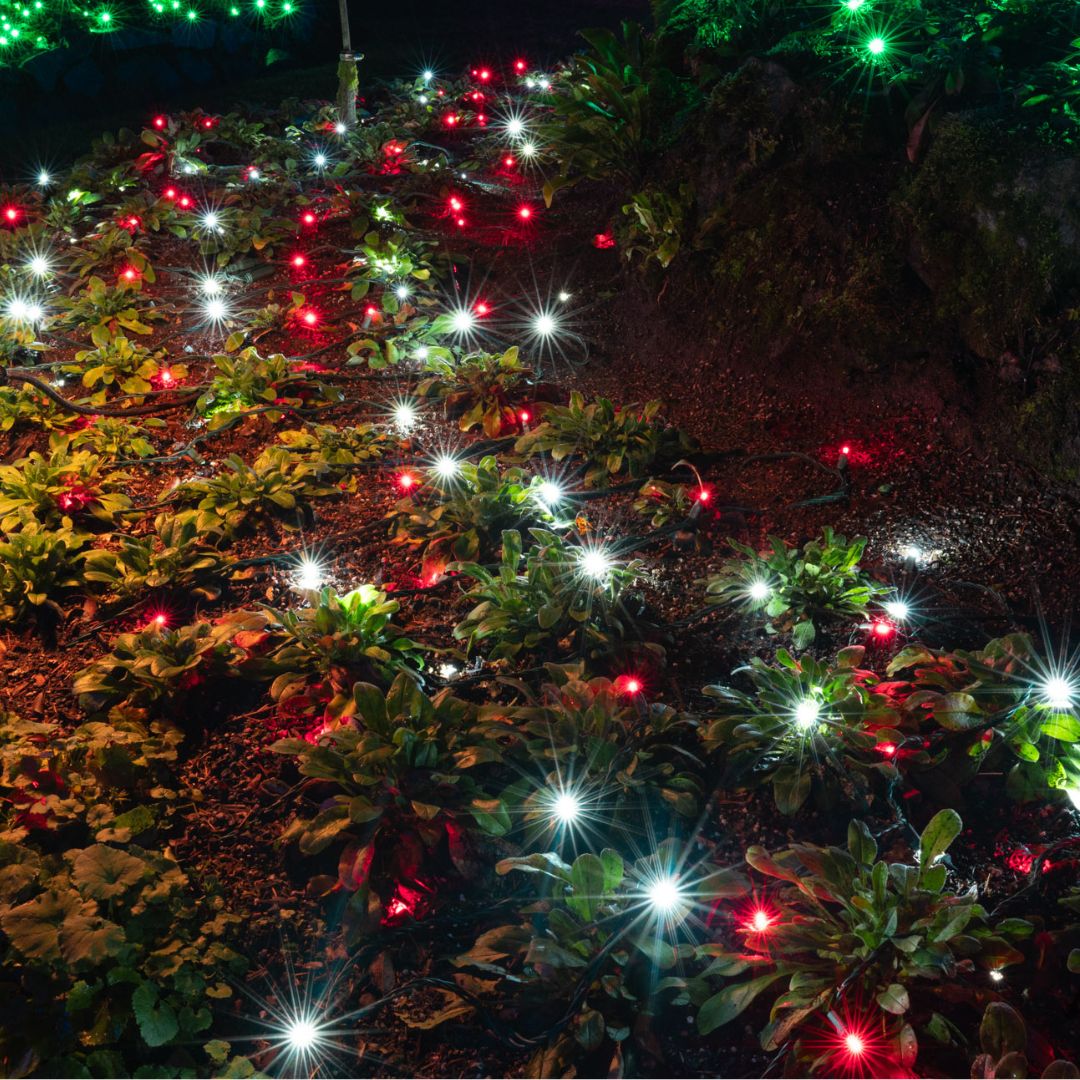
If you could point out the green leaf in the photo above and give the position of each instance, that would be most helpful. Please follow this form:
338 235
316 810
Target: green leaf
104 872
944 827
724 1006
156 1019
894 999
587 881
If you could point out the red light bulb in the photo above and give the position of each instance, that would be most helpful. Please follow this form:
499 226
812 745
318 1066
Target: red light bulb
129 273
406 481
509 161
525 212
883 629
455 203
520 65
760 921
158 621
461 223
133 222
845 449
184 201
484 74
481 308
703 495
11 214
524 416
208 123
311 318
854 1044
159 121
308 218
450 119
299 261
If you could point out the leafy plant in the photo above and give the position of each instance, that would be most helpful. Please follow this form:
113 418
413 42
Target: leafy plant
480 389
798 587
274 486
180 556
25 406
112 436
805 721
594 741
579 970
658 223
406 772
465 521
843 922
115 363
159 669
110 307
608 439
563 593
37 567
1003 1039
57 489
341 640
329 445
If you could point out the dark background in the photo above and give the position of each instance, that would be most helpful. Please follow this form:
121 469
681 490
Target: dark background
98 86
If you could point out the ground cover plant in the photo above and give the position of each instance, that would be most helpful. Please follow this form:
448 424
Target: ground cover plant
375 706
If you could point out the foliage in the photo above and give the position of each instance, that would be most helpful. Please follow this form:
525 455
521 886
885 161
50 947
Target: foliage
592 738
616 108
480 389
274 486
340 640
180 556
554 599
161 670
1003 1039
404 771
580 968
37 567
24 406
610 440
112 308
798 587
115 437
465 522
805 721
887 932
59 488
658 222
116 363
328 445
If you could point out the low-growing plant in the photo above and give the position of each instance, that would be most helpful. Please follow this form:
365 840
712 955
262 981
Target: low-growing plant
658 224
165 671
408 793
464 520
798 588
479 389
37 567
118 364
610 440
114 437
844 927
59 489
567 591
111 307
592 741
25 407
179 556
275 486
248 380
340 640
805 722
583 968
329 445
1003 1040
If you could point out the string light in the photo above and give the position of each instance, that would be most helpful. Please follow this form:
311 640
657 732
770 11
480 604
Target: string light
1057 692
550 493
446 467
43 178
664 895
758 590
404 417
897 609
39 266
310 574
806 714
595 563
565 807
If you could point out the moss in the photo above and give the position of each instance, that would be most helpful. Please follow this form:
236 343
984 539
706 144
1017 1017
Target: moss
984 237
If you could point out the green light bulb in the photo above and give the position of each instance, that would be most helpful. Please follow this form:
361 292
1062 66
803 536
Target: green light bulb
854 5
105 17
192 16
876 45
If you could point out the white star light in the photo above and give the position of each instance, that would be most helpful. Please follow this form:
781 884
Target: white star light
446 467
758 590
463 321
545 324
39 266
664 895
897 609
595 564
1058 693
806 714
309 574
565 807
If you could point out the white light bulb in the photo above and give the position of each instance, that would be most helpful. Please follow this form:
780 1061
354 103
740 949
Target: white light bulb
448 671
463 321
1058 693
664 894
565 807
896 609
759 590
550 493
301 1034
428 76
1074 796
402 292
310 575
545 324
319 161
515 126
446 467
912 553
404 417
806 713
211 222
996 975
216 310
38 266
563 297
44 179
421 353
210 285
595 564
340 128
17 309
254 174
527 150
